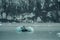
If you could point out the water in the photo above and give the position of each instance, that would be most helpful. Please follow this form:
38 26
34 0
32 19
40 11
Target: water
40 33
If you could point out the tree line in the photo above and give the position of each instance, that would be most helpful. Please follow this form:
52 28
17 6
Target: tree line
38 7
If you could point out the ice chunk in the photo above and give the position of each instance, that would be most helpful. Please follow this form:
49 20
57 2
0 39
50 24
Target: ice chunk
24 29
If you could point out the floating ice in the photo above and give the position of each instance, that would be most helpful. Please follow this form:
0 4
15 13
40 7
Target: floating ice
24 29
18 29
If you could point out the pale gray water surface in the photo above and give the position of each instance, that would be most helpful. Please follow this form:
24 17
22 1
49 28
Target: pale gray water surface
40 33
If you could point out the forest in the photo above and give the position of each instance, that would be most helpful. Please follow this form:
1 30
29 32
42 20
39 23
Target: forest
30 11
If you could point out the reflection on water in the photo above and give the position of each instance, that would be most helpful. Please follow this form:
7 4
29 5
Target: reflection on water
39 35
